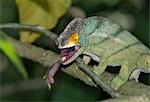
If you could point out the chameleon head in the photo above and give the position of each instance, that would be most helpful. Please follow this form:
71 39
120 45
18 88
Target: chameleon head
69 41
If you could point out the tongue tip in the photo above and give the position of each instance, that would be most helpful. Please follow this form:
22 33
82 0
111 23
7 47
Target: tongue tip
63 58
67 53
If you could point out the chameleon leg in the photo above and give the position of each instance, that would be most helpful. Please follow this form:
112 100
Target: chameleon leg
100 68
123 76
135 74
86 59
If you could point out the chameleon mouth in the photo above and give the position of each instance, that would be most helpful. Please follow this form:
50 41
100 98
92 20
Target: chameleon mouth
68 54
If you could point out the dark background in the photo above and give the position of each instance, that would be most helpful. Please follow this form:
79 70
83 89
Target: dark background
134 12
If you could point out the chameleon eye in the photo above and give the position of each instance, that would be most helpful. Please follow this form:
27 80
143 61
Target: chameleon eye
74 38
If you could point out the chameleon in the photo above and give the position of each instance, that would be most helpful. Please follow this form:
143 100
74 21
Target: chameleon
106 42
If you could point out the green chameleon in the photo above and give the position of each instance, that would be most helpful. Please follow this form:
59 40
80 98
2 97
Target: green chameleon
106 42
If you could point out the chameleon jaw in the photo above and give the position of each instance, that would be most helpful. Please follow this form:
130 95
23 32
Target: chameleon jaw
69 54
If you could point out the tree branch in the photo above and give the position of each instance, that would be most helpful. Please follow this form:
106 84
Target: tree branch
25 85
21 86
37 54
47 58
36 28
128 99
130 88
96 78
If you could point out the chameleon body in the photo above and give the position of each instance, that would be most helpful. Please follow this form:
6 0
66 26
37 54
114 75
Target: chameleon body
106 42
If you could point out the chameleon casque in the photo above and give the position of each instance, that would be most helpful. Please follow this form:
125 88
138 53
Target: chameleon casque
106 42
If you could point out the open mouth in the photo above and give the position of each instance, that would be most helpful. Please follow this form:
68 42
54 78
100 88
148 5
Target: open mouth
68 53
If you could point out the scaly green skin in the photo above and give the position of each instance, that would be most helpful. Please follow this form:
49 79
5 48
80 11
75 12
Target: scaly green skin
112 45
117 47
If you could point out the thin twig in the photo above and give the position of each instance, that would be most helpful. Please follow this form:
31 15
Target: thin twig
96 78
35 28
46 39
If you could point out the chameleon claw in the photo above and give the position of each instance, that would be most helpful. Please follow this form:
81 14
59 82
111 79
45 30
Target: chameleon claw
49 86
49 79
44 77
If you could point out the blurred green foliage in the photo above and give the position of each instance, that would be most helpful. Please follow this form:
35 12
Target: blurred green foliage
11 53
67 88
42 12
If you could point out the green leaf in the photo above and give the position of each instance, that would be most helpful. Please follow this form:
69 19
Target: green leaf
10 51
43 12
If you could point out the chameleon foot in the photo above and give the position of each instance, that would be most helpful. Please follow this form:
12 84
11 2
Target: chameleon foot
135 74
117 82
96 71
49 79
